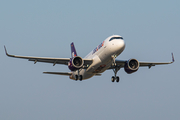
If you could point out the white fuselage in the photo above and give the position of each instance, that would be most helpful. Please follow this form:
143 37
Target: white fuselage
102 57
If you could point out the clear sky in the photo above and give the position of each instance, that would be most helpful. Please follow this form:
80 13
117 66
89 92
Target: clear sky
46 28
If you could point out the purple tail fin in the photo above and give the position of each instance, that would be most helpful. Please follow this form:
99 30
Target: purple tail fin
73 50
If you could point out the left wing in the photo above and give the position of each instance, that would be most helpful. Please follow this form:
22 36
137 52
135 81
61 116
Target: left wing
121 63
42 59
48 60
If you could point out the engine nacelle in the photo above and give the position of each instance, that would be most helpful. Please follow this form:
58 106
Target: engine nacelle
131 66
75 63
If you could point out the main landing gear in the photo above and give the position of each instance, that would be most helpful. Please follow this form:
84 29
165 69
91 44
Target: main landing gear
78 77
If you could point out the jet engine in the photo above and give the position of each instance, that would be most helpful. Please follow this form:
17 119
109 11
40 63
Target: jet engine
131 66
75 63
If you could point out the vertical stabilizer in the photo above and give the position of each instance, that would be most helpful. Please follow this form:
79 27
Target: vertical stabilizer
73 50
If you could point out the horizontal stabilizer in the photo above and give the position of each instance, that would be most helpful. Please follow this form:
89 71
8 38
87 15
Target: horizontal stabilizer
59 73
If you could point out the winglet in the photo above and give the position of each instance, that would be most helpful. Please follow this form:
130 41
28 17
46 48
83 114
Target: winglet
172 57
7 52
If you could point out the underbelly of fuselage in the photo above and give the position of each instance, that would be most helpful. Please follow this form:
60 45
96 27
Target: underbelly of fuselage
103 66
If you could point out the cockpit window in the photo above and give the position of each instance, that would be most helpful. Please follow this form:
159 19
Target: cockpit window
116 38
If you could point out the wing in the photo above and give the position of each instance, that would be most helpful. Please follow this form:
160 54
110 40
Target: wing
54 61
121 63
150 64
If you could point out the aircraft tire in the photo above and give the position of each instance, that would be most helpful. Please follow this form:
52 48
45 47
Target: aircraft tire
76 77
117 79
113 79
80 77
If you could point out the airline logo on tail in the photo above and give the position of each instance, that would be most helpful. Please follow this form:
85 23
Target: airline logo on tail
73 50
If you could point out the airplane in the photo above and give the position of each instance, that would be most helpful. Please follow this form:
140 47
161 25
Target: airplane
100 59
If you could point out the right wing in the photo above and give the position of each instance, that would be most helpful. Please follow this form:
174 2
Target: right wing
48 60
121 63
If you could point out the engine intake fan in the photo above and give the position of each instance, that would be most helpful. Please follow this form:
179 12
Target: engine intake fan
131 66
75 63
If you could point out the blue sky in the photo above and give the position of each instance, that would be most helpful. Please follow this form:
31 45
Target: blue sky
46 28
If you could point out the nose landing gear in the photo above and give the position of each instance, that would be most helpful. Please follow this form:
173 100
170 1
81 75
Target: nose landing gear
115 78
115 70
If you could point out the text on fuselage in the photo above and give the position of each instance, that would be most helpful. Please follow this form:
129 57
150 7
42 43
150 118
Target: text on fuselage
98 47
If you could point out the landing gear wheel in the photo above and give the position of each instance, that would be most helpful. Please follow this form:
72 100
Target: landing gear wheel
117 79
113 79
80 77
76 77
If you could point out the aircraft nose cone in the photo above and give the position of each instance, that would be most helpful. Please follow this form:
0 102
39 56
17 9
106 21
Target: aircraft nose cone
117 46
121 44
